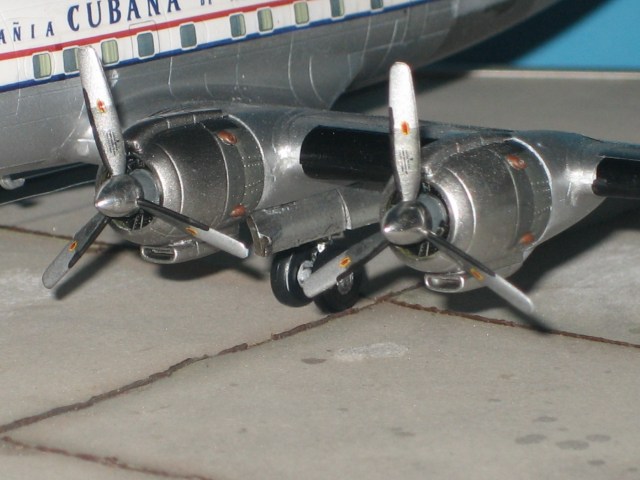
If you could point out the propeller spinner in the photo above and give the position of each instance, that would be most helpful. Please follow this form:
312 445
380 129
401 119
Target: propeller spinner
121 195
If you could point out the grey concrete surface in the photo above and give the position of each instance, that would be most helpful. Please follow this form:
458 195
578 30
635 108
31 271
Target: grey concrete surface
117 375
601 105
19 462
580 282
387 393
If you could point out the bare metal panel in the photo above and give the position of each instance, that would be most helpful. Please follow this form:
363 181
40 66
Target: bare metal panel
304 67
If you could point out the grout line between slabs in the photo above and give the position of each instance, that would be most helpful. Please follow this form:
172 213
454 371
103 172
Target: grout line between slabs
389 298
111 462
114 462
508 323
97 246
155 377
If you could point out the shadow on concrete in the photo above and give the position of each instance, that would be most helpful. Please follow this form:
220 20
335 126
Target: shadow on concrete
209 266
87 269
555 253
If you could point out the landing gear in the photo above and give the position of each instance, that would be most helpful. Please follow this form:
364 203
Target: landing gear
290 268
346 293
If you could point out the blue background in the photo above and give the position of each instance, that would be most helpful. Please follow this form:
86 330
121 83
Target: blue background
576 34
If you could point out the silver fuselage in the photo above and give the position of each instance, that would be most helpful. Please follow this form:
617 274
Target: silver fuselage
43 121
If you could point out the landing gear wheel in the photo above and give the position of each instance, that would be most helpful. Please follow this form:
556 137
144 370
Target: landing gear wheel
345 294
286 271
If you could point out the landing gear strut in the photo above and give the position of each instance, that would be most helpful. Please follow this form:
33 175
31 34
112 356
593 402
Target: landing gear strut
290 268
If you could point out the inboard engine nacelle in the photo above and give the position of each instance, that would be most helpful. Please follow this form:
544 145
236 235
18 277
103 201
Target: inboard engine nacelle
497 196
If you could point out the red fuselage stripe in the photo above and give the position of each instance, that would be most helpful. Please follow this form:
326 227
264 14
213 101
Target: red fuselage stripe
54 47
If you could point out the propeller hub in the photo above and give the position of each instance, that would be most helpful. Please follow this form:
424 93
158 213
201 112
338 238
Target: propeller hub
118 196
407 223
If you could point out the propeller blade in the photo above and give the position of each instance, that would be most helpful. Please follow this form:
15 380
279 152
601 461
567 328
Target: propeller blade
71 253
330 273
484 274
198 230
409 223
405 140
405 131
103 116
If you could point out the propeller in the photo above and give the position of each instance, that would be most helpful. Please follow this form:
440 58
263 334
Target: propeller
409 221
122 194
103 116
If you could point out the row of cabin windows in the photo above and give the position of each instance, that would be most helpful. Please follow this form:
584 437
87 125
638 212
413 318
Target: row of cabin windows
265 17
43 68
301 13
42 65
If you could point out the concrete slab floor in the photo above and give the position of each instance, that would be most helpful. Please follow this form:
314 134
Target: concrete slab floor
117 373
386 392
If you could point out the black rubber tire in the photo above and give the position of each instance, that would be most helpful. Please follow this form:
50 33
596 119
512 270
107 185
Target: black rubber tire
332 301
284 277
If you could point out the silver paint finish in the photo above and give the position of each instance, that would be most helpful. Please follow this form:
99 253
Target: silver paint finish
320 216
340 269
179 251
71 252
216 239
505 193
100 107
118 196
407 223
483 275
196 172
405 136
280 132
45 124
570 161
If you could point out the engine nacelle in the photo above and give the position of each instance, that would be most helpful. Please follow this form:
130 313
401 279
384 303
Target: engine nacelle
496 197
202 165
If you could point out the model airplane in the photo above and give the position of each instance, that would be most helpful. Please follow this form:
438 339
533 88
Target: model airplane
201 116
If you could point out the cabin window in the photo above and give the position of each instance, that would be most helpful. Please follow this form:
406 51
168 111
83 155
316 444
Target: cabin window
337 8
42 66
238 27
146 47
377 4
188 37
301 11
265 20
70 60
110 53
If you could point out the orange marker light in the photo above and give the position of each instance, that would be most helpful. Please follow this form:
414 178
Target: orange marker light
238 211
192 231
345 262
477 275
516 162
227 137
102 108
73 246
527 239
405 128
